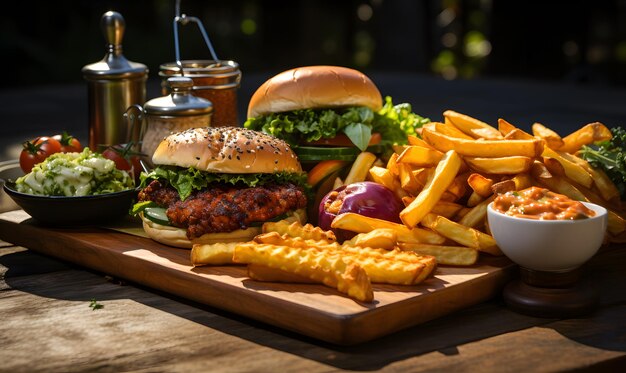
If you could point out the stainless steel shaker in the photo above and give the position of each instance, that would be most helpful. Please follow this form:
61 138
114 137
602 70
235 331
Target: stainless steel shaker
114 84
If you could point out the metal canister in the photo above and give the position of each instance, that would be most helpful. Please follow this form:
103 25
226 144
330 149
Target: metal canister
215 80
175 112
114 83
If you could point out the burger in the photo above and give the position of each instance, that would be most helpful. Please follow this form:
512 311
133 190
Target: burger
219 184
329 113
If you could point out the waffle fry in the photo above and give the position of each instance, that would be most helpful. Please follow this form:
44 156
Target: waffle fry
212 254
296 229
331 270
266 274
446 255
382 266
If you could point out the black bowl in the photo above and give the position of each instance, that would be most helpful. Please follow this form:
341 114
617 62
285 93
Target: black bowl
73 211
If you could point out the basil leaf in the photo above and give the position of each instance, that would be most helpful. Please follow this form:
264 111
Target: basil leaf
359 134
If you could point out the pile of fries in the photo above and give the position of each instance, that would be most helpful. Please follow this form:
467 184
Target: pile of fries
445 179
290 252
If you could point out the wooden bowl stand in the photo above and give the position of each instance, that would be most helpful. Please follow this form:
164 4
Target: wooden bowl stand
550 294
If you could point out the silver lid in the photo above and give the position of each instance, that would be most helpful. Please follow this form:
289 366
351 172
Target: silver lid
114 65
180 102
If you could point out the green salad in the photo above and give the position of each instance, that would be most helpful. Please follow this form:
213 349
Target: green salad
74 174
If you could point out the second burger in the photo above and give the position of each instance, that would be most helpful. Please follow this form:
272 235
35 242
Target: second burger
219 184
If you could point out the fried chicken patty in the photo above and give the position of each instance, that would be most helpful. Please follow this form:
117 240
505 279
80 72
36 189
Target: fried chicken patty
224 208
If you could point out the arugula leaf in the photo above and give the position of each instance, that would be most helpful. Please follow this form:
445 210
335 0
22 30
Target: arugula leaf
610 156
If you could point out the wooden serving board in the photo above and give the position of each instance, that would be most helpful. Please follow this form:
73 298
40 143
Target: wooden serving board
313 310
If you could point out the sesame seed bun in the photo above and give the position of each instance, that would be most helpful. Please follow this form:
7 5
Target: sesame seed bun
314 87
226 150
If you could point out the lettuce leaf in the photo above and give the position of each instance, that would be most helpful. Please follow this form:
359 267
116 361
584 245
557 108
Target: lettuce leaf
186 180
393 122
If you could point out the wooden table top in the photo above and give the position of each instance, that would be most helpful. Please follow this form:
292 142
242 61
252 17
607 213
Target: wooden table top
48 325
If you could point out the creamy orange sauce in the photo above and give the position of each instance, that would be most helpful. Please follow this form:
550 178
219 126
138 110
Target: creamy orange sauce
541 204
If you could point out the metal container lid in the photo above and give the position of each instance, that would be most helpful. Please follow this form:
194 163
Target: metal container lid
219 74
180 102
114 65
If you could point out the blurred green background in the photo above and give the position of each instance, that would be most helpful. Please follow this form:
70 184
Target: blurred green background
579 41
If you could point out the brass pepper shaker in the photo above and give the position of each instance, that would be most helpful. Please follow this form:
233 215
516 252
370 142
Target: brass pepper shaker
114 84
175 112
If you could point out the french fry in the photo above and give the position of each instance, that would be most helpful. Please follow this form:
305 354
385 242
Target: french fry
506 127
616 224
607 188
295 229
518 134
414 140
392 164
422 175
441 179
408 181
461 234
554 166
484 148
360 168
420 156
500 166
552 139
381 238
572 170
474 199
398 149
331 270
522 181
363 224
266 274
447 209
539 171
560 185
503 186
589 134
445 255
213 254
382 266
475 217
480 184
449 129
472 126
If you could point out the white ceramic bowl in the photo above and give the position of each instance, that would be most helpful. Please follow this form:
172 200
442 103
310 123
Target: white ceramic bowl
548 245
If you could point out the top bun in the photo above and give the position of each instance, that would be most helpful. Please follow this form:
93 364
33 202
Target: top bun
314 87
231 150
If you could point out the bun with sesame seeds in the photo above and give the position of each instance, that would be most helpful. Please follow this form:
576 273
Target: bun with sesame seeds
219 184
226 150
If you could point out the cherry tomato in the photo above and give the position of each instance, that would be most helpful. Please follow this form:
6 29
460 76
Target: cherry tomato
125 159
69 143
37 151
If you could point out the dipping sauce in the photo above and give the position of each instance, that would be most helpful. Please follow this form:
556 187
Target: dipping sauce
541 204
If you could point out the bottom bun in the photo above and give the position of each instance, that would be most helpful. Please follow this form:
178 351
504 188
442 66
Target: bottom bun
177 237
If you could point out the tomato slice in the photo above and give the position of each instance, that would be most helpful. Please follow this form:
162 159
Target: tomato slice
321 153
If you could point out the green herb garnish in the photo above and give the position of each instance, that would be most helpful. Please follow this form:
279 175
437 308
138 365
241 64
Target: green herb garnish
610 156
94 305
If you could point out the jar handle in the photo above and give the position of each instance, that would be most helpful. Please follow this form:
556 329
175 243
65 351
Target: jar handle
184 20
134 115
